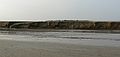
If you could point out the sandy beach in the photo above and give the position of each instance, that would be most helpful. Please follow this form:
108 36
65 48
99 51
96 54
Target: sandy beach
44 49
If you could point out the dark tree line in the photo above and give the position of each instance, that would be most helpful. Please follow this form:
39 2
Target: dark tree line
65 24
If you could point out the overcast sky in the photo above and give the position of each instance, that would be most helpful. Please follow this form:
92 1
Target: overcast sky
60 9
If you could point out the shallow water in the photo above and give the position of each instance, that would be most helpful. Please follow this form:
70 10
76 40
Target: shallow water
77 38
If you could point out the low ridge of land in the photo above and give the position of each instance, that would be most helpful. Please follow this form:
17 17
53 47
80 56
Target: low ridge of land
62 24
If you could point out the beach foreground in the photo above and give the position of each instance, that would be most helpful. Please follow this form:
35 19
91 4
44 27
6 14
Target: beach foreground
45 49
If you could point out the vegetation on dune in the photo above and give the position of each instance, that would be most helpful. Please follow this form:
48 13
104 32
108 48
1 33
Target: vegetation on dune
64 24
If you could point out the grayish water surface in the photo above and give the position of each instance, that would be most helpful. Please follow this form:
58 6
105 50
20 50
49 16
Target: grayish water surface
77 38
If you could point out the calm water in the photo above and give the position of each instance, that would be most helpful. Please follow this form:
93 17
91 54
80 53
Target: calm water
77 38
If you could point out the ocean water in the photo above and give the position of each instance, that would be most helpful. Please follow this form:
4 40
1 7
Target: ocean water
65 37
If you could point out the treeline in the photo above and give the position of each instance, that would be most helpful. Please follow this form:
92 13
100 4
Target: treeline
65 24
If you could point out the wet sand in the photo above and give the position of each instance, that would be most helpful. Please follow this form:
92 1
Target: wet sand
9 48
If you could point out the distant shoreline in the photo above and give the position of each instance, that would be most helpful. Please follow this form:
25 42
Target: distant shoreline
62 24
63 30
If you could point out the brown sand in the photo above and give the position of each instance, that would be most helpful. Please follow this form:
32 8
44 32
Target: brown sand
43 49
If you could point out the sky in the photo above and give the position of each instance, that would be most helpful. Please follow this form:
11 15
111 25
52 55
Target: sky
37 10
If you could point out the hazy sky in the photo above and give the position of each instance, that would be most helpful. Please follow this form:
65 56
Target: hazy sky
59 9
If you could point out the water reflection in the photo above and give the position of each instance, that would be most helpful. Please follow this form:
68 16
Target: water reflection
67 35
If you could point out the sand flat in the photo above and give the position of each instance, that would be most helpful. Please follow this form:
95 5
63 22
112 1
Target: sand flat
10 48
